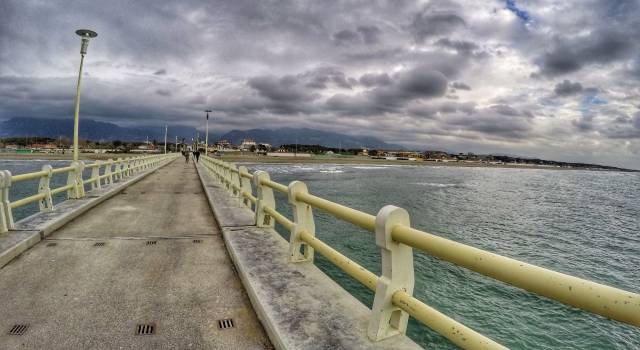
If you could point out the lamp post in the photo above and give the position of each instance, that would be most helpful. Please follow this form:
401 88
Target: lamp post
206 136
85 34
165 138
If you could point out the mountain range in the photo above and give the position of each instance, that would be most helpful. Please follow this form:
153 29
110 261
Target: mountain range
104 131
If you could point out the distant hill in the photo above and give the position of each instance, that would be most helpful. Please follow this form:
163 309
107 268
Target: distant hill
104 131
284 136
90 129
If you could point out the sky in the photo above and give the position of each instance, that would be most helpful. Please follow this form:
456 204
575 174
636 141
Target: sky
551 79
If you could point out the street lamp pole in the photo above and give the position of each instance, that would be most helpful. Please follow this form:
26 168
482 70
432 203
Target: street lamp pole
85 34
165 138
206 136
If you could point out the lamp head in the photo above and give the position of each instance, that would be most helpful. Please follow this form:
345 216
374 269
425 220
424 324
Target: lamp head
85 34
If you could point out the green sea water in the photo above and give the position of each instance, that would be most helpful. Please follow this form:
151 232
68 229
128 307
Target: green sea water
583 223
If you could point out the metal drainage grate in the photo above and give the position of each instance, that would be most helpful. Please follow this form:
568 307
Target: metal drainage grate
18 329
145 329
52 244
226 323
99 244
152 242
197 241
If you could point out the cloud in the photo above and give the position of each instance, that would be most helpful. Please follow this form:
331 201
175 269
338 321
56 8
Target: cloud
346 37
569 55
435 20
370 34
460 69
372 79
566 88
460 86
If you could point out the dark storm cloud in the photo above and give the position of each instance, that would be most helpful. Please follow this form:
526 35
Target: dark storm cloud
370 34
570 55
460 86
372 79
415 84
346 37
566 88
436 19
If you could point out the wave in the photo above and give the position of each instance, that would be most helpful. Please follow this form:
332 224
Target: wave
434 184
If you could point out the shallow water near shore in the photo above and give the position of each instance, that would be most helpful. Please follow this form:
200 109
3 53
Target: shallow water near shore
582 223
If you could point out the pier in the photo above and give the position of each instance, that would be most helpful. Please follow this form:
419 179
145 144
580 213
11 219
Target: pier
151 253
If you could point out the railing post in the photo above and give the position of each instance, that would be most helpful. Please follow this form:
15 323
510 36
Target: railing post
74 179
116 169
95 174
107 171
299 251
265 199
6 217
45 203
245 185
80 180
234 178
388 320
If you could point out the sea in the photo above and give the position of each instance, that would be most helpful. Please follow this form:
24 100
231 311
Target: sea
583 223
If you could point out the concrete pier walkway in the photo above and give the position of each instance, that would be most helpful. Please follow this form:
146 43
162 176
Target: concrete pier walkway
151 255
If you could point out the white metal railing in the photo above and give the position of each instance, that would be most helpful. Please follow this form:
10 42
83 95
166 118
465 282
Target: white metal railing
394 301
102 173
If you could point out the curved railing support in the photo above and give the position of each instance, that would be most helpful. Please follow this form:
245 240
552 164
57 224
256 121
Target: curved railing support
299 250
387 319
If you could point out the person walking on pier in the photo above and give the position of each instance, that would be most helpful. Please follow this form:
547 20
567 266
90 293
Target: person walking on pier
186 156
197 155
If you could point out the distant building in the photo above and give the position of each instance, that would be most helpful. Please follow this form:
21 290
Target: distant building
222 145
247 143
363 151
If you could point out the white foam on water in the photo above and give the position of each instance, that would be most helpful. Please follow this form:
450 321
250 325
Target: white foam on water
434 184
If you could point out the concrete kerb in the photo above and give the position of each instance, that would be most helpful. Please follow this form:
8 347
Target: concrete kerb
34 228
298 305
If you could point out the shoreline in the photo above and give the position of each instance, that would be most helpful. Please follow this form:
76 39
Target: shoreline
382 162
302 160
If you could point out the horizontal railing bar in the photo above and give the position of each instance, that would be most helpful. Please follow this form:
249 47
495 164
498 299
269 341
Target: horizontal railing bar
281 219
27 200
249 196
274 185
91 179
62 189
246 175
456 332
353 269
29 176
62 170
356 217
607 301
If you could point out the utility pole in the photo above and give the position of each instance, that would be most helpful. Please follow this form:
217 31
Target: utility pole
85 34
176 145
165 138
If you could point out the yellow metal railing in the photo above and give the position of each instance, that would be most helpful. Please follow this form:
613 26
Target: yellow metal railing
112 171
390 225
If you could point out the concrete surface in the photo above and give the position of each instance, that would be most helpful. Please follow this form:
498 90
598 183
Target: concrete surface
14 243
17 240
75 295
299 306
